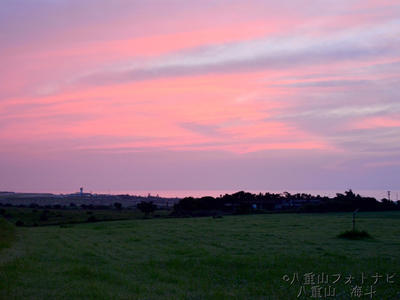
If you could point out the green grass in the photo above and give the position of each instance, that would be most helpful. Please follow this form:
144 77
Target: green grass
42 216
242 257
7 233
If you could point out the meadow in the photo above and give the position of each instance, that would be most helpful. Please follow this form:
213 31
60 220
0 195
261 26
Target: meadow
265 256
26 216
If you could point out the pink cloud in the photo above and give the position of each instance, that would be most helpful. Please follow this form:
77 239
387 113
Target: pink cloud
377 122
193 77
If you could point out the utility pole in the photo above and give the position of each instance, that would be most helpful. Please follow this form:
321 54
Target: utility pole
388 195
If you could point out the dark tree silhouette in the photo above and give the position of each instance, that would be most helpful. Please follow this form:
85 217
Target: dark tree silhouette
242 202
146 207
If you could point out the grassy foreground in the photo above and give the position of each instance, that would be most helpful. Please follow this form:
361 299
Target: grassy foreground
243 257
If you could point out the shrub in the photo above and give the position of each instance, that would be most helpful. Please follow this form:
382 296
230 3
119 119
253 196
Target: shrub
92 219
217 216
43 217
146 207
65 225
354 235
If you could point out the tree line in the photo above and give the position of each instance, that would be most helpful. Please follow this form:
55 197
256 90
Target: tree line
245 202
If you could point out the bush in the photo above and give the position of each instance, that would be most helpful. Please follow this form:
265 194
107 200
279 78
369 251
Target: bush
65 226
92 219
354 235
19 223
146 207
44 217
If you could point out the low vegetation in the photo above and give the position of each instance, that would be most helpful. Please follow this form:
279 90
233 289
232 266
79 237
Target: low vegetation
7 233
35 214
355 235
25 216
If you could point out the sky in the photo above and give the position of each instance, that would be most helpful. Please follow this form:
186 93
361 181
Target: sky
199 95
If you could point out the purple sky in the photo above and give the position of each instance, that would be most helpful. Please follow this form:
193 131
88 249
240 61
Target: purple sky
227 95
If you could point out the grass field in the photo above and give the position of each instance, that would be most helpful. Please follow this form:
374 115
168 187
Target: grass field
7 234
41 216
243 257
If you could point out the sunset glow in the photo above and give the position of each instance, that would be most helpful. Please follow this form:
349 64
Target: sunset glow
124 95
